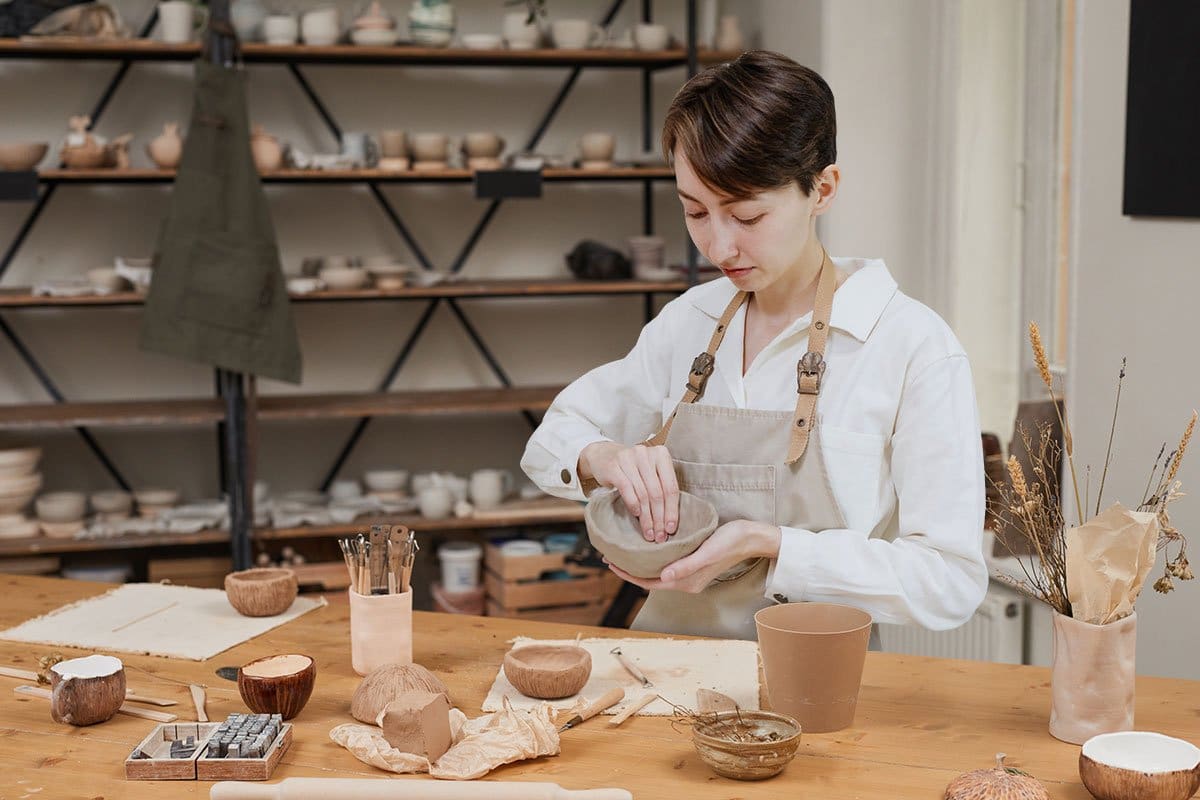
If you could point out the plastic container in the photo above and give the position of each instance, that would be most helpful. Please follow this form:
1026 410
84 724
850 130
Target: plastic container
460 566
380 630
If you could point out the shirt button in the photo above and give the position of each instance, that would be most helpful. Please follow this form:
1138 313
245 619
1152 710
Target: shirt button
780 598
566 476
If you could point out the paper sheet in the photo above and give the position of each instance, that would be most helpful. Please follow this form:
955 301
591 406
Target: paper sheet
154 619
1108 559
676 667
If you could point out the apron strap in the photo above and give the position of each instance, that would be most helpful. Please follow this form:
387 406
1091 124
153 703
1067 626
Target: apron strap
702 367
811 367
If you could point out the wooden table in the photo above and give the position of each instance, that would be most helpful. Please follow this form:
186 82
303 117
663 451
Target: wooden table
920 721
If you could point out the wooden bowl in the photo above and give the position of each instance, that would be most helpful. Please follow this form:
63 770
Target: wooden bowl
546 671
746 745
261 592
278 684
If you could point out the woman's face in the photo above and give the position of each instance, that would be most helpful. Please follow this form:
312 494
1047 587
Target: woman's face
754 240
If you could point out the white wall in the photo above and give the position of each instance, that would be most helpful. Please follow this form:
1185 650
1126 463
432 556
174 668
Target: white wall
1134 284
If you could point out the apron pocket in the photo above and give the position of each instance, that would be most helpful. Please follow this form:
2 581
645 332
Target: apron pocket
854 462
738 491
229 281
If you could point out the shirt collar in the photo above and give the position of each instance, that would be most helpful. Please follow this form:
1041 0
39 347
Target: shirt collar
857 304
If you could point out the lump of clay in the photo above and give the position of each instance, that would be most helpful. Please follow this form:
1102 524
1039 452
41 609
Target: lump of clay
84 691
617 534
388 683
418 723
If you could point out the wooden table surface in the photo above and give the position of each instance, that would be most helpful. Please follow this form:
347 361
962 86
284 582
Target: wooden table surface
920 721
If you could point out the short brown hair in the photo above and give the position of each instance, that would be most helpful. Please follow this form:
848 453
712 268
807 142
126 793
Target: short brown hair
758 122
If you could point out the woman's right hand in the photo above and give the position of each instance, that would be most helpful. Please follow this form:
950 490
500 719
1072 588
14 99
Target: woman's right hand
645 477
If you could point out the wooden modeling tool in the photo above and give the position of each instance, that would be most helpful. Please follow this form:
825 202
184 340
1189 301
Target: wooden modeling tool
606 700
130 695
644 701
199 697
631 668
133 711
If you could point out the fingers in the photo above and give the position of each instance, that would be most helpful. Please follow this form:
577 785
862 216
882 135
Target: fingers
670 488
654 495
640 507
649 584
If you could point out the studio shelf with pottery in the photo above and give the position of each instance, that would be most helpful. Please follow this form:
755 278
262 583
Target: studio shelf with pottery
114 175
39 545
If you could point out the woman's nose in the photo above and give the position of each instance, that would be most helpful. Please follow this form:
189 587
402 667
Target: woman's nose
722 245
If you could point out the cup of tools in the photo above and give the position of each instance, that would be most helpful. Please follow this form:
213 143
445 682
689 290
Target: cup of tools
380 596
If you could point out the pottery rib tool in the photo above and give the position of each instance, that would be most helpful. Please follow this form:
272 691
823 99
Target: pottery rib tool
133 711
198 699
631 668
708 701
130 695
646 700
23 674
606 700
378 553
385 789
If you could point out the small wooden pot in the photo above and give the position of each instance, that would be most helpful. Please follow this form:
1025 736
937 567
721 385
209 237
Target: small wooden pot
261 592
278 684
548 672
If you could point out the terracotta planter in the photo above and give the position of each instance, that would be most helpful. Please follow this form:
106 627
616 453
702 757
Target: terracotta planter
1092 678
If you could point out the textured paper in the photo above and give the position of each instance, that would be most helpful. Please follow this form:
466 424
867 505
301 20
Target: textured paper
676 667
182 622
1108 559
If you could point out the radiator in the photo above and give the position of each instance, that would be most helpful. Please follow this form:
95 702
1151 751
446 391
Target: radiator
995 633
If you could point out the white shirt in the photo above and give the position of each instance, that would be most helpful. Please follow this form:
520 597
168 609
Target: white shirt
899 426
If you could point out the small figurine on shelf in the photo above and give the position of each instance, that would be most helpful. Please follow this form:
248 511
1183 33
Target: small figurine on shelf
82 149
431 22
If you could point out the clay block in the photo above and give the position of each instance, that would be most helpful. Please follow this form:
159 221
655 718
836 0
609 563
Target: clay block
419 723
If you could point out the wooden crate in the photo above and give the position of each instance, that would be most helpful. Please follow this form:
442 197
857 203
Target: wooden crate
323 576
203 573
515 588
198 766
586 614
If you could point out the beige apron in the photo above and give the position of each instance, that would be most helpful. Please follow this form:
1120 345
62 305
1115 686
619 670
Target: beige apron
741 461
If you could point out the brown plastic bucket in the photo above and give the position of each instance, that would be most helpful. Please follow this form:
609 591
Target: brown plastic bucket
813 655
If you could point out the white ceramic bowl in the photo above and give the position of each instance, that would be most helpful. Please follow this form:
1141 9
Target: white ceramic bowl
482 41
112 501
14 485
386 480
344 278
158 498
61 507
23 529
374 37
61 530
18 461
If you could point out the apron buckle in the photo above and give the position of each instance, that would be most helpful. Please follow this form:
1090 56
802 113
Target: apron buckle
811 365
702 367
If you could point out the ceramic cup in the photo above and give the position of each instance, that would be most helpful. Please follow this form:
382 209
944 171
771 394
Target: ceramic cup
431 146
813 656
380 630
436 502
572 34
361 148
483 144
518 34
648 36
176 18
281 29
597 146
489 487
393 144
321 26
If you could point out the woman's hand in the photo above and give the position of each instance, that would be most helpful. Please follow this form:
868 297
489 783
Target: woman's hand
729 544
645 478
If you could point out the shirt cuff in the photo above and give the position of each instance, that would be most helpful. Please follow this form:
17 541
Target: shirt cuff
790 572
568 481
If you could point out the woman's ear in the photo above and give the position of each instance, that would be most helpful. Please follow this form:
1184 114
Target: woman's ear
826 188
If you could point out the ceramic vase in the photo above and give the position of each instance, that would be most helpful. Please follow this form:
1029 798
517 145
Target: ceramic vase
1092 678
247 17
166 148
268 153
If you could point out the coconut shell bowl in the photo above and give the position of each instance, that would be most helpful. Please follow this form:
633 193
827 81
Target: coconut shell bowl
548 672
617 534
261 592
279 684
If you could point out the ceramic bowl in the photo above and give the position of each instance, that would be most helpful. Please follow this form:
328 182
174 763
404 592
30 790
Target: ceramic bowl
617 534
18 461
112 501
430 147
344 278
106 279
548 672
156 497
393 164
17 491
61 506
386 480
726 743
20 156
261 592
22 528
61 530
374 37
482 41
304 285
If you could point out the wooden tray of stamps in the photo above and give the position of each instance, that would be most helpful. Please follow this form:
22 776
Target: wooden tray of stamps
199 766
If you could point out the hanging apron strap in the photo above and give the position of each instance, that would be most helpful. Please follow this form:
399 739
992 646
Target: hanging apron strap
809 369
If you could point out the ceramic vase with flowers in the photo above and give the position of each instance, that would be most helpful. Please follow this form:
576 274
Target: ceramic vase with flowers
1090 573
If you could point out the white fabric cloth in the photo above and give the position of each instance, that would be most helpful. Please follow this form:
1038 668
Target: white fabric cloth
897 415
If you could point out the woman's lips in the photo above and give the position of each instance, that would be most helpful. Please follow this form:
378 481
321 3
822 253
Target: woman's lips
737 273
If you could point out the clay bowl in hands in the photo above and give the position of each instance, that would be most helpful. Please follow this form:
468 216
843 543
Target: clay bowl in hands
20 156
746 745
617 534
548 672
277 684
261 592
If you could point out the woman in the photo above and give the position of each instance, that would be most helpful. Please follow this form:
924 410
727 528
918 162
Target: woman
830 419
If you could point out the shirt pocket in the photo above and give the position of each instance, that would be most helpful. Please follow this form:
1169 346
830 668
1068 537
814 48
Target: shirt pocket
854 462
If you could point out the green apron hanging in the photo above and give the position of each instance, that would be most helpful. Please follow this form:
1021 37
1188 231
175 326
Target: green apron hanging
218 294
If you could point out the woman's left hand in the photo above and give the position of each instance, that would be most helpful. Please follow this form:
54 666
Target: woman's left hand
729 544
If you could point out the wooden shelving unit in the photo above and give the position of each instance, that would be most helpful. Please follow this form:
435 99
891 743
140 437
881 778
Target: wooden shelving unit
45 545
132 175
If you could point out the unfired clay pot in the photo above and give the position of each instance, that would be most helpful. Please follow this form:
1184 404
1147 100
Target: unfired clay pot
617 534
1092 678
268 153
166 148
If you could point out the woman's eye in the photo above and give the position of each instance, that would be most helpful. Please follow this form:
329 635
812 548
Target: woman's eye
751 221
696 214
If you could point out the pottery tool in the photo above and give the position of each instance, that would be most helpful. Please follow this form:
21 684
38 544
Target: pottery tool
382 561
198 699
130 695
377 557
606 700
133 711
385 789
645 700
708 701
631 668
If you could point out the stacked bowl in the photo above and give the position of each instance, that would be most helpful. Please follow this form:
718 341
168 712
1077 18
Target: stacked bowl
19 482
646 252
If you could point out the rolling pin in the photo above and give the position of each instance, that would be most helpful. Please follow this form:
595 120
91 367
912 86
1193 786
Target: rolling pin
385 789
